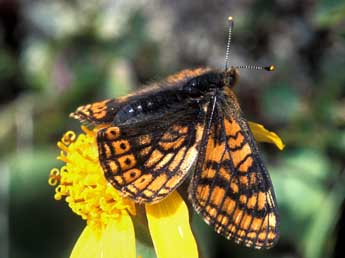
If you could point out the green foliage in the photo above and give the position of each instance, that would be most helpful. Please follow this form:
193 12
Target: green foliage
76 52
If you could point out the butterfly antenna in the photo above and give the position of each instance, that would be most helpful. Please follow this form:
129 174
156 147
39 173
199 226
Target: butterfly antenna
269 68
227 53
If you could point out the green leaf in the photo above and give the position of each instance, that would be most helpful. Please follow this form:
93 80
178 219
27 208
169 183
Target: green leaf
329 12
284 97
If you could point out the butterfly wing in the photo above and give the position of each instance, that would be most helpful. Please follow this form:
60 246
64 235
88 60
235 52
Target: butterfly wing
231 188
103 112
146 161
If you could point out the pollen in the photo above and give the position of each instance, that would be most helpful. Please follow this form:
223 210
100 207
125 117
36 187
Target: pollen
81 181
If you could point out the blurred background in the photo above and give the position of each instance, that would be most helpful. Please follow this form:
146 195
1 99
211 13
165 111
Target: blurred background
57 55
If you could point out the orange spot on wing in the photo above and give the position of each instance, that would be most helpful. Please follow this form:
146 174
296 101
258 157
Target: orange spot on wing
203 191
243 199
164 191
234 186
177 160
113 167
211 211
118 180
224 174
131 175
121 146
252 178
272 219
222 219
261 200
239 155
107 150
180 129
145 139
147 193
262 236
271 235
164 161
112 133
252 201
241 233
158 182
127 161
145 151
142 181
231 127
256 223
99 106
172 145
243 180
246 165
172 182
229 204
251 235
154 158
237 216
208 173
247 219
236 142
99 115
215 153
217 195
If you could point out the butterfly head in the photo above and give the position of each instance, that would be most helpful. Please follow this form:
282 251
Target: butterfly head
230 77
210 81
231 74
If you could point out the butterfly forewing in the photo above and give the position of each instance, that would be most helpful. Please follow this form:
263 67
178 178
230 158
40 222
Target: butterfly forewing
231 188
103 112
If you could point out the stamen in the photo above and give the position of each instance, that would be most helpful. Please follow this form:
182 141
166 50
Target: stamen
63 158
81 181
62 146
68 138
79 200
88 131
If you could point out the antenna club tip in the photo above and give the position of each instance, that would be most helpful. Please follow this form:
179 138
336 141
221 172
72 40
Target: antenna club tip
270 68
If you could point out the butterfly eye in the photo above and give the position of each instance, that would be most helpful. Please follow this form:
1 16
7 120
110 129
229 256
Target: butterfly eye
192 87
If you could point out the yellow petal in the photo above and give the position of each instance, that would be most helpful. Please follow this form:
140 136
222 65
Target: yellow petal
87 245
118 239
169 228
261 134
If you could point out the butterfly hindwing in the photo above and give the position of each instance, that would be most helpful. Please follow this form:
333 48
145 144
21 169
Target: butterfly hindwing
231 188
147 161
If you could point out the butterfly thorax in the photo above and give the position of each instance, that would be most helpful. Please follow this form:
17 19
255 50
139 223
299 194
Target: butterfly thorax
210 81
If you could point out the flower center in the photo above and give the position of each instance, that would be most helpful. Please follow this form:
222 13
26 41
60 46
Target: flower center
81 181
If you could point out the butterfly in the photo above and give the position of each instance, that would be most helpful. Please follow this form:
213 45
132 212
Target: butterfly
189 124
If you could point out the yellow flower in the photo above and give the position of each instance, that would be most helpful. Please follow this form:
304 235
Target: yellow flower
109 231
261 134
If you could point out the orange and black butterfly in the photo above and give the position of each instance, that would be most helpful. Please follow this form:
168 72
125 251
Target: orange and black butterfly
191 123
